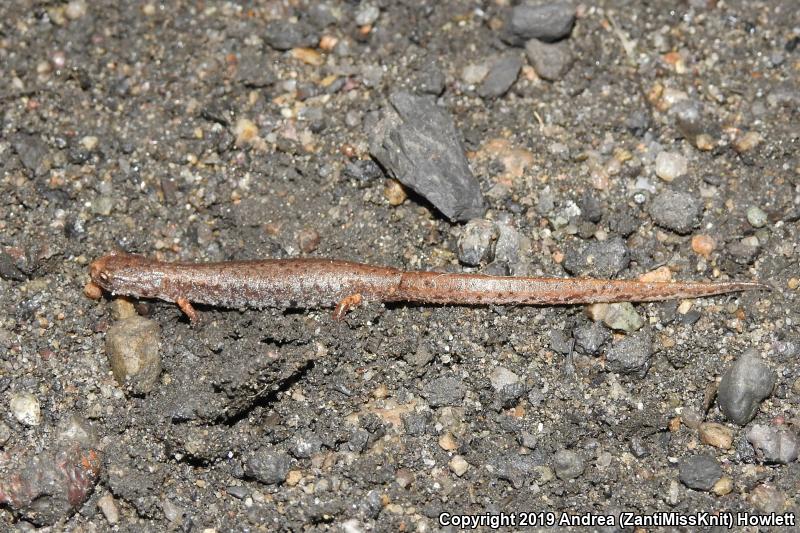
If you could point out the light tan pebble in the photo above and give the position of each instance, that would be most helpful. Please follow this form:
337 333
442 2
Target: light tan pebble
716 435
447 442
293 477
309 56
108 507
703 245
246 132
723 486
394 192
660 274
747 142
122 308
458 465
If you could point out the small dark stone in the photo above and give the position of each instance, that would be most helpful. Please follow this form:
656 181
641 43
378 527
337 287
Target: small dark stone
268 466
547 22
418 144
444 391
743 252
253 70
591 337
631 355
415 423
305 445
601 259
550 61
238 492
591 208
699 472
744 386
32 152
431 80
282 35
676 211
502 74
363 170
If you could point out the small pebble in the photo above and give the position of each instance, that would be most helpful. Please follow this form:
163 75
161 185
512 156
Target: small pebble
282 35
699 472
550 61
444 391
394 192
591 337
476 242
550 21
716 435
744 386
747 142
448 442
568 464
631 355
132 347
623 317
268 466
670 165
25 408
75 9
767 499
723 486
756 217
502 377
703 245
676 211
367 14
473 73
102 205
774 444
5 433
108 507
458 465
308 240
502 74
600 259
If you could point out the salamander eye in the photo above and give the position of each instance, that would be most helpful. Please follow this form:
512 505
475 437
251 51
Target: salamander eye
103 276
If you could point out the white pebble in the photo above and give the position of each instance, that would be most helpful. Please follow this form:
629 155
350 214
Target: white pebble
670 165
25 408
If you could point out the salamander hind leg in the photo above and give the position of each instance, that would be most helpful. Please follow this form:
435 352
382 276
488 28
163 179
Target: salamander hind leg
347 303
187 309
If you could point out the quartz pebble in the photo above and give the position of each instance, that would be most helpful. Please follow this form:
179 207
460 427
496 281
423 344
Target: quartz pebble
756 217
476 243
716 435
670 165
774 444
25 408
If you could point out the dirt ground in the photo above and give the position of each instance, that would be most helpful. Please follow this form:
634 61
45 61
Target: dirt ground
205 131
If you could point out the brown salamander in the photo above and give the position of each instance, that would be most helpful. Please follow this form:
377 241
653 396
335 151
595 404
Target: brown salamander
311 283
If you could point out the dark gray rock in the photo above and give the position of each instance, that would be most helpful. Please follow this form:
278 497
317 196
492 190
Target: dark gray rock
444 391
268 466
744 386
699 472
550 60
502 74
774 444
600 259
32 152
568 464
476 243
305 445
676 211
631 355
431 80
591 337
546 21
417 142
281 35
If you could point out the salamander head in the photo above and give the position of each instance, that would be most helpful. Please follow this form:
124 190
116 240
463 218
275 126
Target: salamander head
125 274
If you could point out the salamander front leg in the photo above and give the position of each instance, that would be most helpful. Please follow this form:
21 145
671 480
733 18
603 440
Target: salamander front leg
348 302
188 310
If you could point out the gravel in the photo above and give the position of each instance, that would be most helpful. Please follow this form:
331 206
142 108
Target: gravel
416 141
551 61
602 259
502 74
476 242
676 211
549 21
699 472
774 444
746 383
631 355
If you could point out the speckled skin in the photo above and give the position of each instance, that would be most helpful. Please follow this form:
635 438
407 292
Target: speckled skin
310 283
